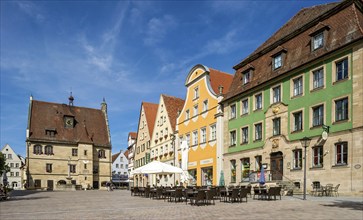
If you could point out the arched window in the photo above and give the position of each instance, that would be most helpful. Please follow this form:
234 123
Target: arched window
48 150
101 154
37 149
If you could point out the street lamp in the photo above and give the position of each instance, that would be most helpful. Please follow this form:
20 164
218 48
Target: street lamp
173 144
305 142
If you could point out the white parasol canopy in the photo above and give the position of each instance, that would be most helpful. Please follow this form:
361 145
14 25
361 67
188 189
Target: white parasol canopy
156 167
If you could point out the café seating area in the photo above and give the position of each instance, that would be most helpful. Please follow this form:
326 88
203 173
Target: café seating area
324 190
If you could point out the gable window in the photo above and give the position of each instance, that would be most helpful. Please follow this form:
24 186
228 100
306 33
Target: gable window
318 78
341 153
195 113
297 121
48 167
10 156
318 115
341 109
233 112
195 137
258 131
298 86
74 152
276 126
277 61
297 158
213 132
244 132
245 107
102 154
258 101
276 94
203 135
318 156
196 93
187 114
205 105
246 77
48 150
318 40
342 69
232 138
37 149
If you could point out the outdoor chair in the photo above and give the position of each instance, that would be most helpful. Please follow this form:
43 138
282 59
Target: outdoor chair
188 194
199 198
223 194
335 190
136 191
243 194
210 197
328 189
147 192
273 192
159 193
178 195
214 192
234 196
249 187
132 191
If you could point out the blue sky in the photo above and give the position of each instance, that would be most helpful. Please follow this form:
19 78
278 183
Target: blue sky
124 51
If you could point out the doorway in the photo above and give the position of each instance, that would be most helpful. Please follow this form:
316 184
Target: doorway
277 165
50 184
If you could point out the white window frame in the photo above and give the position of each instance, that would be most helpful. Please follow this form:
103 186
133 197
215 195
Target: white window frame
232 138
203 135
245 109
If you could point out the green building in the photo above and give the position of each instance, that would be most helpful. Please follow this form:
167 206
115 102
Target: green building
305 81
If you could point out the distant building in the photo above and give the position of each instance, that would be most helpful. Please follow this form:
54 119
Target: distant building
131 143
16 164
120 169
67 143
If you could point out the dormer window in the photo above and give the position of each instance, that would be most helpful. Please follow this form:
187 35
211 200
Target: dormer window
51 132
246 77
318 41
277 61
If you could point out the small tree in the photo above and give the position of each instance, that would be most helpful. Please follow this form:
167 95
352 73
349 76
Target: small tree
3 167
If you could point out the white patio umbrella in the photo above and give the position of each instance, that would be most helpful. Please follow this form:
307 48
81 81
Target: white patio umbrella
157 167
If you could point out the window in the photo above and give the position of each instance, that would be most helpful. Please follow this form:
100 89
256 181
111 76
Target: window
233 112
161 151
342 69
318 115
17 165
37 149
10 156
245 167
122 159
318 78
277 61
232 136
203 135
11 165
48 168
276 94
341 153
11 173
245 107
341 109
318 156
297 121
117 165
195 110
205 105
74 152
85 166
258 99
195 137
213 132
297 160
258 131
72 168
276 126
318 41
196 93
188 139
48 150
102 154
121 166
187 114
298 86
246 77
244 132
16 173
85 152
233 171
166 148
161 121
258 162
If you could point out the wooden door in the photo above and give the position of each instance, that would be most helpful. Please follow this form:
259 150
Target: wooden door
277 166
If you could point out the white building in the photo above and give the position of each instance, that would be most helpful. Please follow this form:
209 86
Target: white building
120 164
16 164
131 142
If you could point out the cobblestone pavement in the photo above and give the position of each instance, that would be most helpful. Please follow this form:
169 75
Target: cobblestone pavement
119 204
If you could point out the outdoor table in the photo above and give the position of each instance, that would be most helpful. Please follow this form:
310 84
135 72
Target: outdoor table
169 193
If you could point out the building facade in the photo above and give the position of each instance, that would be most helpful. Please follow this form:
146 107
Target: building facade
162 147
131 143
16 164
120 165
67 144
304 81
144 132
197 125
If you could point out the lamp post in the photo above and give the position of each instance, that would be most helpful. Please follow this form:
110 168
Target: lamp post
305 142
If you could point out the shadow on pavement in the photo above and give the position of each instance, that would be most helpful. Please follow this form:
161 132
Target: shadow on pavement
347 204
16 193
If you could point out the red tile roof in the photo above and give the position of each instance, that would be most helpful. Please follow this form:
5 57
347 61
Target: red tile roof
173 105
219 78
343 21
90 124
150 114
114 156
126 153
133 135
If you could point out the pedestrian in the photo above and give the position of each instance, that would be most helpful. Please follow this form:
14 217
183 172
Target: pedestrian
108 186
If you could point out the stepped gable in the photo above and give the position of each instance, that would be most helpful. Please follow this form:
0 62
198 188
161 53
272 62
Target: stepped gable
89 124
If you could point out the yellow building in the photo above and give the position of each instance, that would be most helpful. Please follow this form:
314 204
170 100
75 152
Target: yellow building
200 125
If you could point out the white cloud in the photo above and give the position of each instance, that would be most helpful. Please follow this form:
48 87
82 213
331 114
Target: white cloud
32 10
157 28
